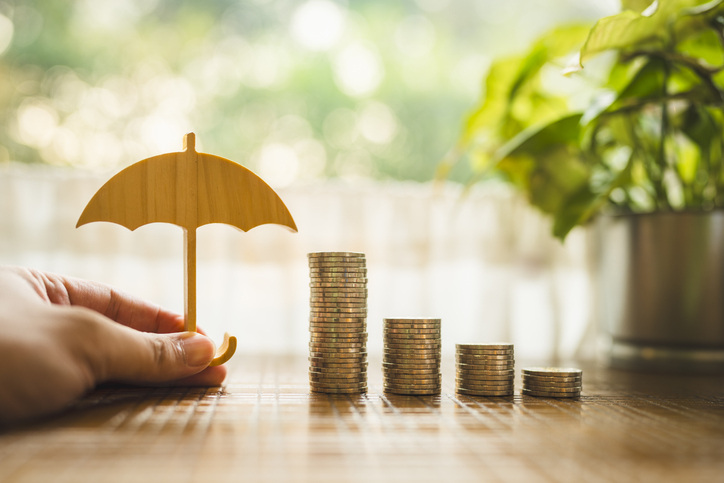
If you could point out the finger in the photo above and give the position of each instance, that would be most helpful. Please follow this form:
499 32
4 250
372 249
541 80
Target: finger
114 352
124 308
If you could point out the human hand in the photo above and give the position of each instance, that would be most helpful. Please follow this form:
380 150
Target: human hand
60 336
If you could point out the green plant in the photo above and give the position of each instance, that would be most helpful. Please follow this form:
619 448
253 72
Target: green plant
649 134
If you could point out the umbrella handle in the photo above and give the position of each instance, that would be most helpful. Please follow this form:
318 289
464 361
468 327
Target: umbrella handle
224 353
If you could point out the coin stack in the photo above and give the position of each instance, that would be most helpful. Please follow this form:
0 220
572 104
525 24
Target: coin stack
484 369
411 360
552 381
338 322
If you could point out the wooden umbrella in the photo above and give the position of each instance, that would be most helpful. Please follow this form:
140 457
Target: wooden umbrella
188 189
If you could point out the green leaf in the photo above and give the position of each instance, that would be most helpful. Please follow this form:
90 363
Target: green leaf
545 163
630 29
497 87
637 6
565 130
584 203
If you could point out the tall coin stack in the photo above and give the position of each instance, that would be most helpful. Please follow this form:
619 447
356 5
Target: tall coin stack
552 381
485 369
411 360
338 322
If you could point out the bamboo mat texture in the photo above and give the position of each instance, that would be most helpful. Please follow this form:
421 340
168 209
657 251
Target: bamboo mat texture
265 426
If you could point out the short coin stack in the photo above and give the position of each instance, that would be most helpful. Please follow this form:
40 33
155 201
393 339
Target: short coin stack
411 360
338 322
485 369
552 381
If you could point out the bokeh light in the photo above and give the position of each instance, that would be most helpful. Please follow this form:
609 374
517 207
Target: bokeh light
299 89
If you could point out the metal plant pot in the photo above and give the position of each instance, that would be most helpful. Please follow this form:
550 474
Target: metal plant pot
661 290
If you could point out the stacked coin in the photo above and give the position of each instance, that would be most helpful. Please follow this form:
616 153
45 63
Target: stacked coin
338 322
552 381
484 369
411 359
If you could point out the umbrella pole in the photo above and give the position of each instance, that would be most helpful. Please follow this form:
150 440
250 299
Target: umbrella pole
190 279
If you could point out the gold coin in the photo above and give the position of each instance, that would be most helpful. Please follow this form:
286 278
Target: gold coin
469 377
486 352
487 385
499 370
352 305
339 292
491 345
417 325
322 361
321 365
538 387
413 347
326 264
330 259
509 372
552 371
336 345
336 331
336 371
329 311
410 320
483 377
410 387
528 392
414 366
390 331
340 320
349 326
492 369
398 351
484 358
334 271
335 254
340 278
477 392
337 300
533 377
337 337
411 337
338 285
411 375
338 354
409 359
337 377
417 382
337 341
482 364
352 347
411 372
352 368
560 383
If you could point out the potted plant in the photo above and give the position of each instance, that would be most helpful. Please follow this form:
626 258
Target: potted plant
633 133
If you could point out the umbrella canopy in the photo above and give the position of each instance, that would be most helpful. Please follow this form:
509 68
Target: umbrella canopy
188 189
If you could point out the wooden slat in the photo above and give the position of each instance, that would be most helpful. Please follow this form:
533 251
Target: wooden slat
265 426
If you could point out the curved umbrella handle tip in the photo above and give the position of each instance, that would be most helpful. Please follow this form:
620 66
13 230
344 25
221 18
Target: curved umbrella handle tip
224 353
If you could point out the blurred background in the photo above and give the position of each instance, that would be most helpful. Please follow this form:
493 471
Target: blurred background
345 108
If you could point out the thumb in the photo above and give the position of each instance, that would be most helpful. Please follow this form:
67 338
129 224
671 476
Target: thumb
128 355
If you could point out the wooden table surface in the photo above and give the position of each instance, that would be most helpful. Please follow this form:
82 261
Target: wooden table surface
264 425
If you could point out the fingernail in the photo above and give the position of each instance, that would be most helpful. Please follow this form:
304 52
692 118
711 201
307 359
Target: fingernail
198 350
